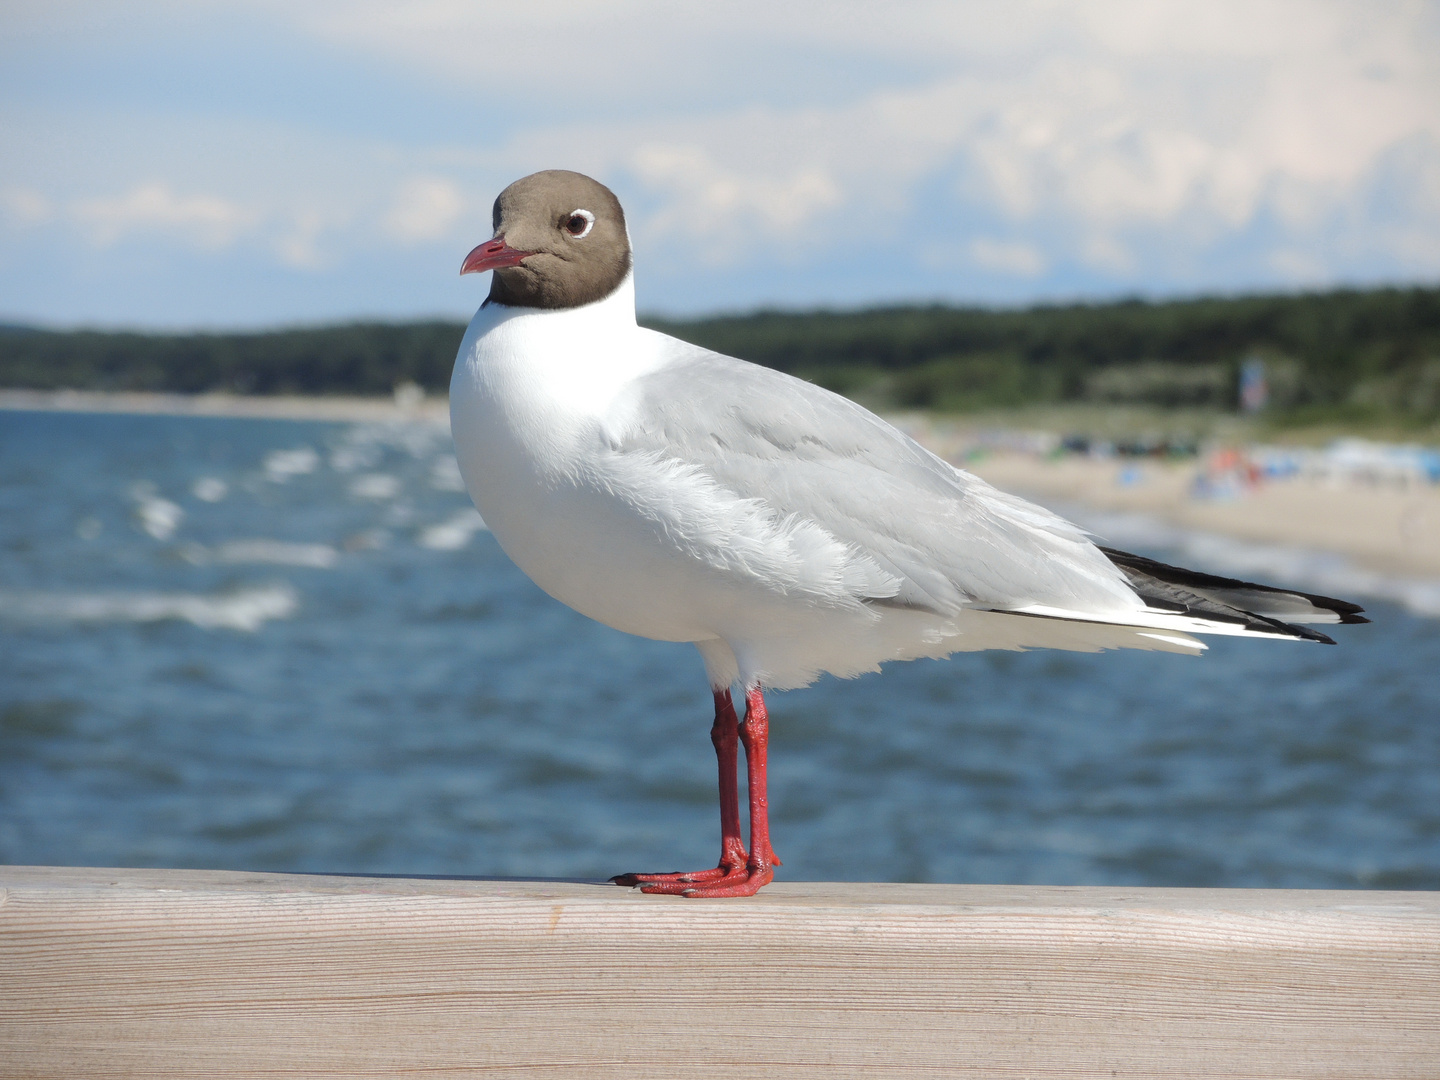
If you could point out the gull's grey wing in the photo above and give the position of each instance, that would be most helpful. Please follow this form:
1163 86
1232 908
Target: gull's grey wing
950 538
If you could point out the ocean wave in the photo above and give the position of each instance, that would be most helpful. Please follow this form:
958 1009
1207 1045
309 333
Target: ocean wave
273 552
241 609
364 445
445 474
281 465
377 486
1301 568
159 517
453 533
209 489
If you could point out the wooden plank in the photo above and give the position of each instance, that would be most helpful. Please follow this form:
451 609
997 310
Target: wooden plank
161 974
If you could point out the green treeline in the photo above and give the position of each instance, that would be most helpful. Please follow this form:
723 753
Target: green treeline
1348 352
354 358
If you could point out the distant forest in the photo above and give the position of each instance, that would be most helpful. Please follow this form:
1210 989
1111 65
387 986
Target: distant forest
1343 353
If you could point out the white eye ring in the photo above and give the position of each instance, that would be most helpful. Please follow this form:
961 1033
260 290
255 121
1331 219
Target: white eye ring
588 218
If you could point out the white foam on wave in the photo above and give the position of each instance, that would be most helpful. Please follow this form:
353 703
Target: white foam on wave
363 446
378 486
273 552
346 459
158 516
209 489
1313 571
453 533
281 465
241 609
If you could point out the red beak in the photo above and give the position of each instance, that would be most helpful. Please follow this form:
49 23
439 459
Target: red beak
493 255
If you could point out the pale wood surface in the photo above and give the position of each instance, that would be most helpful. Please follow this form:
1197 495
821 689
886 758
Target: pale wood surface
160 974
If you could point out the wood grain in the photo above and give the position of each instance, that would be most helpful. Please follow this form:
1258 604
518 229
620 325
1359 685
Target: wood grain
161 974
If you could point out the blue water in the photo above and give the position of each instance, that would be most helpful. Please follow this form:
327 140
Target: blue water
297 671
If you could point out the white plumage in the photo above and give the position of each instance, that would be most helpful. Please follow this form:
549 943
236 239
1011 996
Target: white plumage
678 494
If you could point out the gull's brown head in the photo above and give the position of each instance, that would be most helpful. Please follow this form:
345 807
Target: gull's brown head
559 242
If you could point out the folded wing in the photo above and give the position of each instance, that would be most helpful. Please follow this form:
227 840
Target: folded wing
950 540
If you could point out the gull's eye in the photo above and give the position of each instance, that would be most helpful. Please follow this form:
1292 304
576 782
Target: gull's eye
579 223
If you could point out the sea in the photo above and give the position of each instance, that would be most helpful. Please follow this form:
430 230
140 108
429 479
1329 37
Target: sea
292 646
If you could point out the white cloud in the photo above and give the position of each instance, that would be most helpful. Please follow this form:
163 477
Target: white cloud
1143 143
1124 119
25 206
1105 251
703 201
1022 260
207 221
298 244
425 208
1298 266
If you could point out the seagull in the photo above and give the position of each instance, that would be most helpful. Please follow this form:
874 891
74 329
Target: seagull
682 495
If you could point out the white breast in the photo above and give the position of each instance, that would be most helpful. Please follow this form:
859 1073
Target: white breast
528 405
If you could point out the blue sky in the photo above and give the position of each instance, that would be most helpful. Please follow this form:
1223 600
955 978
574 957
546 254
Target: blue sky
257 163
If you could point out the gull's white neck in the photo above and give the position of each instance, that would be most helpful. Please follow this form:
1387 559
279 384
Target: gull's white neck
570 361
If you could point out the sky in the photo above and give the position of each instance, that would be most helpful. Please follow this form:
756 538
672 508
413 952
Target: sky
255 163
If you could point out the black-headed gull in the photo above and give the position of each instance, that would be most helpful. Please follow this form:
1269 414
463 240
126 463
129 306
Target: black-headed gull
682 495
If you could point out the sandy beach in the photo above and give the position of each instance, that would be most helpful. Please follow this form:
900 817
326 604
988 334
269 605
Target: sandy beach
1395 531
1383 525
411 405
1391 528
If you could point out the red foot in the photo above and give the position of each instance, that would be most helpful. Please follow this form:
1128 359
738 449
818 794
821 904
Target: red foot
740 873
732 868
683 884
747 883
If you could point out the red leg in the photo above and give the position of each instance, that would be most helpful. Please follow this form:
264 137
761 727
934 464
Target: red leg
760 866
733 857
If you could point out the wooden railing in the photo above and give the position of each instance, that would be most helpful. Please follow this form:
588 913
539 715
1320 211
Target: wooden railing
168 973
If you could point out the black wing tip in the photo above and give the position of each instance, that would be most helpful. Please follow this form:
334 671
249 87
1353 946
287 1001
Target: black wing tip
1266 625
1349 612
